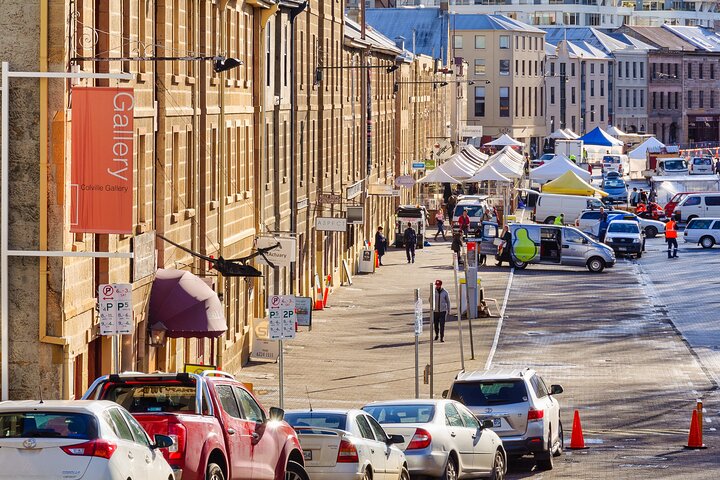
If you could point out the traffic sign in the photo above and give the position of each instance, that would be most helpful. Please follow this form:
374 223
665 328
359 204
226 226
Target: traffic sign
406 181
418 165
282 318
116 314
418 317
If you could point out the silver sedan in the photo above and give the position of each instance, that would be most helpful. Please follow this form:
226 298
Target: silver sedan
442 439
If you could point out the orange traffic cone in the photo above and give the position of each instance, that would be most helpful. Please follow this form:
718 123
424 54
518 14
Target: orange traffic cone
319 305
577 442
695 440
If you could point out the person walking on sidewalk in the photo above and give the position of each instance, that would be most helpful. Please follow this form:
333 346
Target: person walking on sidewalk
464 223
457 245
380 244
441 310
671 238
504 248
440 222
634 197
410 238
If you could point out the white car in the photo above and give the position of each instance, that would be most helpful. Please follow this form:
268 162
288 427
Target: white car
589 222
625 238
701 166
76 440
347 445
703 231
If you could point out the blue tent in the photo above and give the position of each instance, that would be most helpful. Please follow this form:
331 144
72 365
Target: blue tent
601 138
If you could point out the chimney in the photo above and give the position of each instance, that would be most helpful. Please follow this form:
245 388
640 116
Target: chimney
400 42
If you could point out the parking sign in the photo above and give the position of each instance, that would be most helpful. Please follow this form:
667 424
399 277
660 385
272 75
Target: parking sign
282 319
116 314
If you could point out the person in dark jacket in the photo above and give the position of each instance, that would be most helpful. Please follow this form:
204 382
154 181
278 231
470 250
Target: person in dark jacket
457 246
504 247
410 239
380 244
441 309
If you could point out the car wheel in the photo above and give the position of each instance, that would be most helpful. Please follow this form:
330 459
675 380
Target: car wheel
561 440
596 264
549 220
451 469
651 232
707 242
214 472
545 460
498 468
520 265
404 474
295 471
639 255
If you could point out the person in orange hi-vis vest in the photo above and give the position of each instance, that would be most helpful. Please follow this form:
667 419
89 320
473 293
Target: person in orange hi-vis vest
671 238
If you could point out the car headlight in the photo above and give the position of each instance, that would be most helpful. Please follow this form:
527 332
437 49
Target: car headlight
636 240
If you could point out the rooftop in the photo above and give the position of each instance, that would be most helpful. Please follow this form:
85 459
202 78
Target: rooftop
659 37
490 22
425 29
702 38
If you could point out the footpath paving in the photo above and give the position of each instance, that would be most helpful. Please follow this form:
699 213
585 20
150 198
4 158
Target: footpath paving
362 347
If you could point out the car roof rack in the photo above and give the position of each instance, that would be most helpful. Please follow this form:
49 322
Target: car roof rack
216 373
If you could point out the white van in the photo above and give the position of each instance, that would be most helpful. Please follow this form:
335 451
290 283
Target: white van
695 205
550 205
615 163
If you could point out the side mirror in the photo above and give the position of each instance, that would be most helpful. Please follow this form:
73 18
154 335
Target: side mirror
162 441
556 389
395 439
277 414
445 393
487 424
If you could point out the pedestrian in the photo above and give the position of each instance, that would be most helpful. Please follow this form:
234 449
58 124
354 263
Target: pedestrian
457 246
452 201
671 238
573 159
380 244
440 222
464 223
634 197
603 224
441 310
560 220
504 248
410 238
717 165
643 197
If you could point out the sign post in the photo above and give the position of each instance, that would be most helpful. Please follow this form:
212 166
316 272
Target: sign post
431 372
418 332
281 317
468 298
458 308
116 315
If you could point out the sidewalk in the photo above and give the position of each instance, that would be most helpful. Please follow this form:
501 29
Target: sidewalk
361 347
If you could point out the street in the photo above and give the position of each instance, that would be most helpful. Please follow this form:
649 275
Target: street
629 346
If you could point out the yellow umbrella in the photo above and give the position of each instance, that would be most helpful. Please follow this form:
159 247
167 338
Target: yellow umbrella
570 184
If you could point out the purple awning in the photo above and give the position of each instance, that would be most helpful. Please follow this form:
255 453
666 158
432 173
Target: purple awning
185 305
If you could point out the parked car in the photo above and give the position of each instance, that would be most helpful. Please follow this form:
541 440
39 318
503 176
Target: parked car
703 231
677 198
347 444
78 440
442 439
550 205
701 166
625 237
475 206
545 157
697 205
589 222
616 189
220 430
524 411
549 245
615 163
671 166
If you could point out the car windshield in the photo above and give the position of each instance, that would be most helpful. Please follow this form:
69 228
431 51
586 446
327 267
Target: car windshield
611 159
385 414
702 161
623 227
612 183
48 425
317 419
473 210
675 165
679 197
491 392
547 156
700 224
155 398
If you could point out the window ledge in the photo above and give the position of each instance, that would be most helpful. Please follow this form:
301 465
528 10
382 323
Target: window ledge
189 213
213 204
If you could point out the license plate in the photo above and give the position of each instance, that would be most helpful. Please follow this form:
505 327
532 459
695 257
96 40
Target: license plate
496 423
307 454
622 249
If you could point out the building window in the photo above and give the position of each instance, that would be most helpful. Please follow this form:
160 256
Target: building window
654 70
592 115
592 88
479 41
571 18
677 70
634 98
619 69
552 69
572 95
479 66
627 69
552 95
619 97
504 101
517 67
572 69
642 97
517 104
457 41
634 69
689 100
662 100
602 113
642 69
701 100
602 88
479 101
592 68
574 124
700 70
602 69
677 100
712 98
523 68
517 42
523 42
504 41
592 19
712 71
627 98
504 67
689 73
267 57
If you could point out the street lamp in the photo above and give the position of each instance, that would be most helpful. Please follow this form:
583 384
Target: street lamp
220 62
158 334
319 69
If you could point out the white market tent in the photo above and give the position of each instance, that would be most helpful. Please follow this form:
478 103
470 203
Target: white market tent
556 167
510 153
561 134
474 155
651 144
459 167
488 173
504 140
506 165
438 175
572 134
614 131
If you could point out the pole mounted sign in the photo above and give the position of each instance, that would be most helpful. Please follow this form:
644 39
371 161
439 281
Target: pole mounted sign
101 187
328 198
281 309
116 314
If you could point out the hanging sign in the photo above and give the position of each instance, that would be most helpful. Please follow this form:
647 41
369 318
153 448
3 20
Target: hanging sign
101 186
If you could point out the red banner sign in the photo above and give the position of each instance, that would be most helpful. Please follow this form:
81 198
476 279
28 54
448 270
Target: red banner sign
102 160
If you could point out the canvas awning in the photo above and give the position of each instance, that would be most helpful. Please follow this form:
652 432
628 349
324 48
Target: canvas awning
651 145
506 165
438 175
459 167
561 134
570 184
572 134
556 167
185 306
614 131
503 141
474 155
601 138
488 173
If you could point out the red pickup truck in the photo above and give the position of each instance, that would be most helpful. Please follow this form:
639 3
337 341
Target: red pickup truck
220 430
